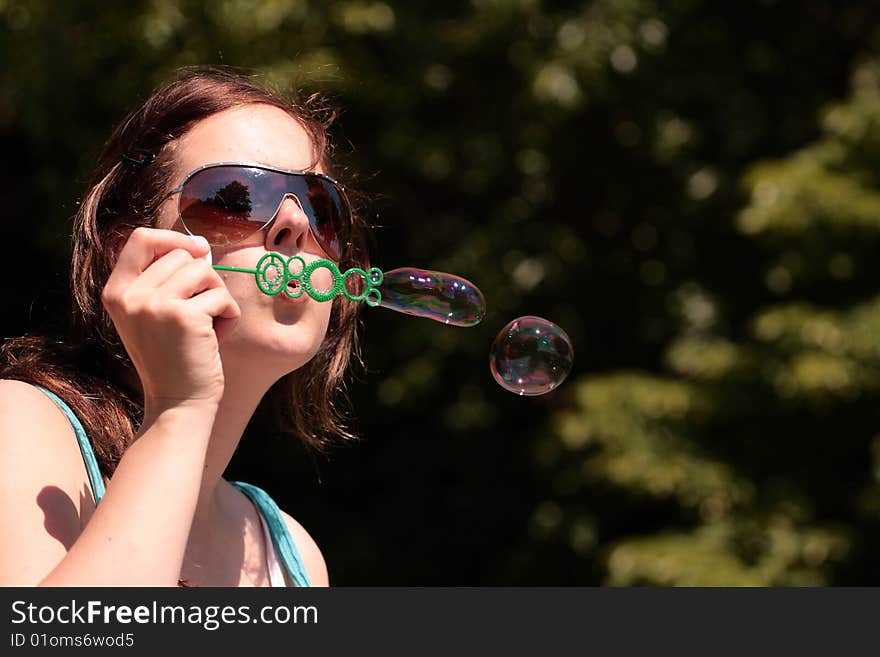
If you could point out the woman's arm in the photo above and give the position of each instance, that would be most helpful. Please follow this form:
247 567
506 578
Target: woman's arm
137 535
164 302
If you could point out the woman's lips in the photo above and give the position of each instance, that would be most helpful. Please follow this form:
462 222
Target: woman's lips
293 286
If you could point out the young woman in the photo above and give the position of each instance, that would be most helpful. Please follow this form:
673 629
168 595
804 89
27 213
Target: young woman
167 359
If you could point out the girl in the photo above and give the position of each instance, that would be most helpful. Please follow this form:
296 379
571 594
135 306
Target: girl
167 359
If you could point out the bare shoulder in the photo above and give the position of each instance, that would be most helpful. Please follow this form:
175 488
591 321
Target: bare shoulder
29 419
12 392
309 551
41 483
31 423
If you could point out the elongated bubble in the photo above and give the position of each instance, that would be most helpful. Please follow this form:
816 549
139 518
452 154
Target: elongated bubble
531 356
445 298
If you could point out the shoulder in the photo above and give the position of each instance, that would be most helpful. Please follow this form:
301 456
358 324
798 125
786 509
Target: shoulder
311 555
28 418
42 479
13 391
32 424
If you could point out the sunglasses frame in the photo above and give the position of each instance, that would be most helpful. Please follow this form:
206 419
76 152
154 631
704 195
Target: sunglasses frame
264 167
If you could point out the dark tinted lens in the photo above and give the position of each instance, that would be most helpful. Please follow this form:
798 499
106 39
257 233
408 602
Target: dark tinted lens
328 213
225 204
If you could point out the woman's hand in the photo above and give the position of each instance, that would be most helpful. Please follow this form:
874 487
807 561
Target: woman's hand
164 299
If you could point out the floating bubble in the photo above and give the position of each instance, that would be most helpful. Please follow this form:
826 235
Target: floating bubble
445 298
531 356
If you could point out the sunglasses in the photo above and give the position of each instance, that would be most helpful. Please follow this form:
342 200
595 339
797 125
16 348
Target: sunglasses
229 202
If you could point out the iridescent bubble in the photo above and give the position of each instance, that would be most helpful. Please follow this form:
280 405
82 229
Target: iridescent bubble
445 298
531 356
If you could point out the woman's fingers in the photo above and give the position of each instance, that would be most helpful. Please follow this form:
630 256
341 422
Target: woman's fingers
151 260
165 268
216 302
146 245
171 309
192 277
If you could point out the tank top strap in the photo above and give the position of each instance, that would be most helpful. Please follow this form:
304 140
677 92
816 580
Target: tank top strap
278 529
85 447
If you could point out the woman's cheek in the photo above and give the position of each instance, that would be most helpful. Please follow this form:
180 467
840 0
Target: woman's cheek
323 323
322 278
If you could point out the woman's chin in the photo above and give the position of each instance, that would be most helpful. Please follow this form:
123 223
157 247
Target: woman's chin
274 349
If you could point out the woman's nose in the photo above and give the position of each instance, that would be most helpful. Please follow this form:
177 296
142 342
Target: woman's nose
289 229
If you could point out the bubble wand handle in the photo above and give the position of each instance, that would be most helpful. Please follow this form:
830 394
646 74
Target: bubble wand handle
274 272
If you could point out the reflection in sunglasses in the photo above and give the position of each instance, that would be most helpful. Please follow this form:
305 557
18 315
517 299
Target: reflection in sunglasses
234 197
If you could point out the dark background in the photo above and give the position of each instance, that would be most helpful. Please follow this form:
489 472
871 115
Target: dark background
688 188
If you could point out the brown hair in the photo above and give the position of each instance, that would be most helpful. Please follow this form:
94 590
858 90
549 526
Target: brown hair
91 370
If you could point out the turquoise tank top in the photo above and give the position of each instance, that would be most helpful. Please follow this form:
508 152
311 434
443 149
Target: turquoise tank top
281 539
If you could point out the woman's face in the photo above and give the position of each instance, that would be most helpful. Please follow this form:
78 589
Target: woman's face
275 332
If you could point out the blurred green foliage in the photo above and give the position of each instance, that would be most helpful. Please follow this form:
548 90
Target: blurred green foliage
688 188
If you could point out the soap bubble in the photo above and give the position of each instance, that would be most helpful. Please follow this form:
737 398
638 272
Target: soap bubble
531 356
443 297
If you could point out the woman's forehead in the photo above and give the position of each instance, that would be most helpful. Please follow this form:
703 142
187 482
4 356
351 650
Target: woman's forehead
251 133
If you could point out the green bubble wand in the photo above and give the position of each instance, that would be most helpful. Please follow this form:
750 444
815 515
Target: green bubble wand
274 273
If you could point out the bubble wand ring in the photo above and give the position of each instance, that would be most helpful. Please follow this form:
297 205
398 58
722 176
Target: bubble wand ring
273 274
